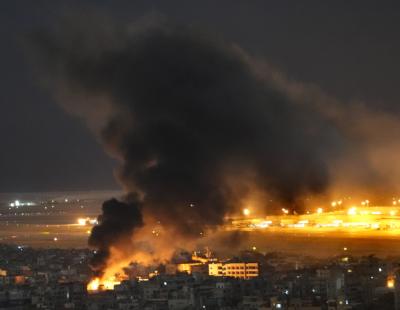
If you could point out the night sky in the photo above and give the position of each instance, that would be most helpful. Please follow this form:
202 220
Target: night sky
349 49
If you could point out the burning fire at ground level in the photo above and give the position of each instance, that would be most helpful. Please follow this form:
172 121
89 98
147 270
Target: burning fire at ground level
370 222
191 118
101 284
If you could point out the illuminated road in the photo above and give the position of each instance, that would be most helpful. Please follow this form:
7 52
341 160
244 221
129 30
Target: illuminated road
321 244
49 219
362 230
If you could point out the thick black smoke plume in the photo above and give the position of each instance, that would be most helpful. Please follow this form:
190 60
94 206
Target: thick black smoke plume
194 125
116 227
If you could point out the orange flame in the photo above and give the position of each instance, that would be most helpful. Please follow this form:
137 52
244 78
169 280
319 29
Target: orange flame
120 258
98 284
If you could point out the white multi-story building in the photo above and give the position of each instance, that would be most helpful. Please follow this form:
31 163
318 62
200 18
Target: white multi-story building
235 270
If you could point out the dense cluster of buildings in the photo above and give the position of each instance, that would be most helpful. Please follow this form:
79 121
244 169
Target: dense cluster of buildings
57 279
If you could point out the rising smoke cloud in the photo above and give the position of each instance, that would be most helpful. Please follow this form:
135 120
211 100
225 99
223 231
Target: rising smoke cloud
197 125
117 224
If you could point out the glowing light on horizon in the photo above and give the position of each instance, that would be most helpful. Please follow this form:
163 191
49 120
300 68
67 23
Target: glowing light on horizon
352 211
336 203
263 224
390 282
365 203
81 221
17 203
85 221
246 212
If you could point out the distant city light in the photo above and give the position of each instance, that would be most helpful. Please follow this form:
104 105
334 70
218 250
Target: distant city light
85 221
390 282
365 203
352 211
246 212
81 221
17 203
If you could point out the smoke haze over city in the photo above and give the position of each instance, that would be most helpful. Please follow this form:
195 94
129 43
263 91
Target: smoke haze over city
200 127
182 144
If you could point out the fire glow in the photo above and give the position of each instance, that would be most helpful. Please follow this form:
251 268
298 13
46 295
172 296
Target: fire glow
371 221
86 221
102 284
376 220
114 273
